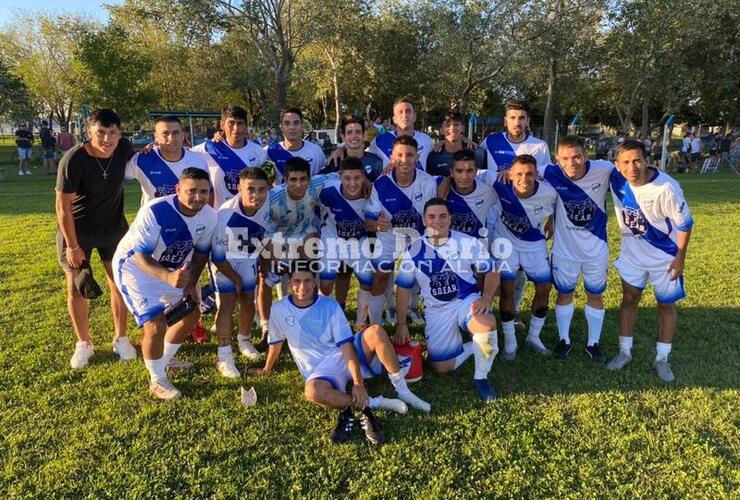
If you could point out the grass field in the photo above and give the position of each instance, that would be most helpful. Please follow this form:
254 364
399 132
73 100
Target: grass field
561 429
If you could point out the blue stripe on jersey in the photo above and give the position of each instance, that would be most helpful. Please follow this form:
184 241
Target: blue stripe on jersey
444 284
502 152
279 155
513 215
384 142
228 161
582 211
349 225
174 233
463 217
636 221
158 172
397 204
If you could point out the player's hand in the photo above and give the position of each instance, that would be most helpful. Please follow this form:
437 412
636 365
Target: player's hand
146 149
337 155
389 168
401 336
480 307
469 144
675 270
218 136
75 257
382 224
179 278
190 291
549 229
437 146
367 188
444 188
503 176
359 396
256 372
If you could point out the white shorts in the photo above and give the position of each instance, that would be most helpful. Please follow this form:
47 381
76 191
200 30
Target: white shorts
334 369
331 263
666 290
534 263
565 274
246 268
443 325
145 296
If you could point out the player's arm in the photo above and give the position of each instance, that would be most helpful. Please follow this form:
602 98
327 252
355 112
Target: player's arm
65 219
484 265
359 393
219 245
273 354
675 270
675 207
178 278
197 264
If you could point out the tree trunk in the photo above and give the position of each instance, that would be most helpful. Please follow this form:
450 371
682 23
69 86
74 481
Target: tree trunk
337 110
548 127
645 128
464 103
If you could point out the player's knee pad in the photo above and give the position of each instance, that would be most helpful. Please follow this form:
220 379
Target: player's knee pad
507 316
541 312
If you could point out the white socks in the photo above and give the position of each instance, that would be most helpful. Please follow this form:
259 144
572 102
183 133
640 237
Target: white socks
156 369
169 351
363 305
483 357
535 327
463 356
398 381
509 336
663 350
225 354
625 345
244 337
594 319
563 316
376 309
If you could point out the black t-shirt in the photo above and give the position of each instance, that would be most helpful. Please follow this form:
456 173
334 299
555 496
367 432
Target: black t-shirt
23 138
98 206
371 163
47 140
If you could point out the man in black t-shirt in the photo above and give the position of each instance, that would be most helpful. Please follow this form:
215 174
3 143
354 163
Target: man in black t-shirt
48 148
24 141
89 211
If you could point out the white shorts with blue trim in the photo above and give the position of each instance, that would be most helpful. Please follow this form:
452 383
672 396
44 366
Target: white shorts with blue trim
565 274
666 290
246 268
534 263
334 368
443 325
145 296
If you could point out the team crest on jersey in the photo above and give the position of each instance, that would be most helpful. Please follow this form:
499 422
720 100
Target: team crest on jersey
465 223
368 168
516 224
174 255
164 190
580 212
199 229
595 186
290 320
418 196
444 285
349 229
634 220
478 203
231 179
405 218
537 210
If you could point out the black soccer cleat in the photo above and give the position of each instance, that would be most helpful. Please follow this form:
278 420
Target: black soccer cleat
562 350
343 428
371 426
595 354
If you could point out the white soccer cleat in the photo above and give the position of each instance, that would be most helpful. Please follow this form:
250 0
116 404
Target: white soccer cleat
164 390
228 369
393 404
178 364
414 401
122 346
415 318
82 355
247 349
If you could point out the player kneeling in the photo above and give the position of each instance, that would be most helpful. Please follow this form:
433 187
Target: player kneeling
329 355
157 265
446 263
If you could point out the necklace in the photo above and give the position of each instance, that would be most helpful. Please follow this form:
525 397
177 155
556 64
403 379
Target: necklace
104 171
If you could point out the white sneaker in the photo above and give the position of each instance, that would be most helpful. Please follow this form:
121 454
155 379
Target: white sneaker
247 349
82 355
414 401
122 346
164 390
393 404
20 172
228 369
414 317
178 364
390 315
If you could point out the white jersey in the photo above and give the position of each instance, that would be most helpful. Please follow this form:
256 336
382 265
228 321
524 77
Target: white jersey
445 273
382 146
309 151
296 218
341 217
237 235
500 153
650 217
157 176
162 231
314 333
580 214
522 220
225 163
469 211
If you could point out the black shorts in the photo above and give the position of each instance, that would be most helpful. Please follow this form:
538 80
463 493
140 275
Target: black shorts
105 245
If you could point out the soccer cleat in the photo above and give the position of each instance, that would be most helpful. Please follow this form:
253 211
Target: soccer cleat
663 369
538 347
164 390
122 346
414 401
486 392
343 427
390 316
510 355
178 364
414 317
228 369
562 350
20 172
247 349
619 361
199 334
595 354
81 357
371 426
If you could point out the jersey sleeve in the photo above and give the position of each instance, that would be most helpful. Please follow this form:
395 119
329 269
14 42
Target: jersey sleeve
145 231
131 169
373 207
275 333
373 148
70 174
405 275
543 158
340 329
674 206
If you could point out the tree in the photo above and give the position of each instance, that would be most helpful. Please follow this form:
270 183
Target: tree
14 101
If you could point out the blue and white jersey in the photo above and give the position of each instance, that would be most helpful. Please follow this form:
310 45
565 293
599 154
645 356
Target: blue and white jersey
225 163
341 217
522 220
313 333
157 176
650 217
580 213
309 151
162 231
382 146
445 273
500 153
296 218
469 211
403 206
237 235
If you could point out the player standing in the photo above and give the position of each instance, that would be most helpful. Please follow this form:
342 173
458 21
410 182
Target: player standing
404 117
353 137
293 146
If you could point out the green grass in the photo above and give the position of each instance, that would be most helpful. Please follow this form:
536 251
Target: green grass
561 429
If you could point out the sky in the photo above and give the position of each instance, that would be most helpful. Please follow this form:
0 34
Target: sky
92 8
